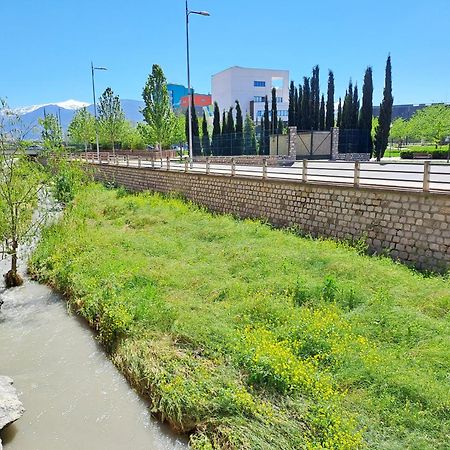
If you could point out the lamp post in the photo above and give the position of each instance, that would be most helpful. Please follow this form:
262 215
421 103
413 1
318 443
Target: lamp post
95 105
188 13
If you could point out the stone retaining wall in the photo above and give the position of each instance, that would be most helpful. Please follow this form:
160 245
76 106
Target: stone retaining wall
413 227
248 160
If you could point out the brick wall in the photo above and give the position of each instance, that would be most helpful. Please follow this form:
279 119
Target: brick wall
413 227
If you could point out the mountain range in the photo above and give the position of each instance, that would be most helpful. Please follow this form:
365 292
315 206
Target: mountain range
29 115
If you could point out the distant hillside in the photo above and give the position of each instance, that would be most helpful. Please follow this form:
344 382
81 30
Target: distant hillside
66 110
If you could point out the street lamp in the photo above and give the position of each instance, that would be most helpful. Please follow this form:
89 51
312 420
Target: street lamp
188 13
95 105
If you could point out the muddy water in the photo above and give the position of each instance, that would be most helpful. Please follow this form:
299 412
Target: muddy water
74 397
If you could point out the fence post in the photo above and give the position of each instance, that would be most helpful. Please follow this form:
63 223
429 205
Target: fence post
264 171
233 167
186 165
153 162
426 176
127 158
92 158
357 174
108 158
139 161
208 165
168 162
305 171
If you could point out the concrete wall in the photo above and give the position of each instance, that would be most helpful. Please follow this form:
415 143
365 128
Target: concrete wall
413 227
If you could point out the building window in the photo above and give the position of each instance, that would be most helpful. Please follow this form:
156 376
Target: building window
259 99
259 84
279 99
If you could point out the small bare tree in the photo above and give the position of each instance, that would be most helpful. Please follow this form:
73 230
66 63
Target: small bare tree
21 183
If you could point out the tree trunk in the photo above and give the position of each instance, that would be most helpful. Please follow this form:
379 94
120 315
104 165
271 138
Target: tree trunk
12 278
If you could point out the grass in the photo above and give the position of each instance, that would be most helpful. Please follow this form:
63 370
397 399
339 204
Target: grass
247 337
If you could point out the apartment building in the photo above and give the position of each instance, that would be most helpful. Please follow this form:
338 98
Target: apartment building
250 87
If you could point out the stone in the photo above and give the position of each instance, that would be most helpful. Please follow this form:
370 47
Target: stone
11 407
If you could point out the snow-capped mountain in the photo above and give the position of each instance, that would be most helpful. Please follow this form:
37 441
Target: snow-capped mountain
68 104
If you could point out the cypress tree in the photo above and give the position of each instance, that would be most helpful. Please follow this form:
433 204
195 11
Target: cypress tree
231 132
292 105
355 108
249 136
215 145
274 124
365 116
299 120
315 99
329 120
223 136
296 112
266 141
280 127
196 146
339 114
385 118
206 145
347 108
306 105
239 149
322 114
261 136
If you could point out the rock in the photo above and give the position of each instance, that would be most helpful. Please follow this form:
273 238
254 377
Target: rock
11 407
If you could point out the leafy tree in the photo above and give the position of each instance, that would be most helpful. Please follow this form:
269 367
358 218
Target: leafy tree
366 113
431 123
274 123
249 136
306 105
399 130
157 112
206 145
82 128
384 120
51 132
339 114
329 119
216 134
132 139
239 148
111 117
322 114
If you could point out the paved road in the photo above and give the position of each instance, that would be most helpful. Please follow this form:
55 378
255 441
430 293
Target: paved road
401 175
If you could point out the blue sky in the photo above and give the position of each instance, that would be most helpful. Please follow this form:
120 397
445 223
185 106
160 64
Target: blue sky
47 45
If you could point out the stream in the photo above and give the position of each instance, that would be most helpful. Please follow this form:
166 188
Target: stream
75 399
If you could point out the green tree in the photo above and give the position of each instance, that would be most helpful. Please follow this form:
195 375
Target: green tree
157 112
292 105
280 127
347 108
306 105
82 128
51 132
431 123
355 108
230 135
249 136
206 145
239 130
384 120
274 124
111 117
329 119
366 113
196 145
315 99
299 114
216 134
266 129
339 114
322 114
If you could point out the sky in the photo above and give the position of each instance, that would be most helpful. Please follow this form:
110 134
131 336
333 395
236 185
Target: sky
47 45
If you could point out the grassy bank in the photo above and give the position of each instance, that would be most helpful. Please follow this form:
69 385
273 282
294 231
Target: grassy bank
254 338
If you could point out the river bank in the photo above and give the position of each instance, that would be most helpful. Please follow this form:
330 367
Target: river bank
249 337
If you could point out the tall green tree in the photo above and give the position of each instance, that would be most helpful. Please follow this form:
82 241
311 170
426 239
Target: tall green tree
274 124
339 114
230 135
196 145
431 124
347 108
385 118
299 114
366 113
239 130
82 128
266 128
355 107
292 105
322 114
157 112
306 105
111 117
329 116
280 127
249 136
315 98
216 134
51 132
206 145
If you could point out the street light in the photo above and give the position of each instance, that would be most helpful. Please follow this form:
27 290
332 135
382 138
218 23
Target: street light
95 105
188 13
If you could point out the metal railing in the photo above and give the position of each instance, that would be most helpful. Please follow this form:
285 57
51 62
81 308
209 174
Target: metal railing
415 176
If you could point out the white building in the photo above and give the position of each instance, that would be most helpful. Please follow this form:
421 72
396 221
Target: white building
250 87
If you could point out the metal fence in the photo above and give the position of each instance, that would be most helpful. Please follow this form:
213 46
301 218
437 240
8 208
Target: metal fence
414 176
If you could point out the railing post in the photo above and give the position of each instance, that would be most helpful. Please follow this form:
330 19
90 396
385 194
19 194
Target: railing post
168 162
127 158
305 171
208 165
116 159
186 165
357 174
139 161
426 176
264 170
92 158
233 167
